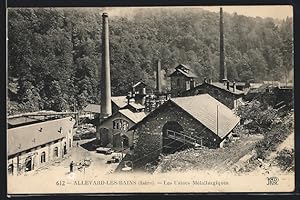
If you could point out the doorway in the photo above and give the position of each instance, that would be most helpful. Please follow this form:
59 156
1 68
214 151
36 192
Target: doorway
28 164
65 148
125 140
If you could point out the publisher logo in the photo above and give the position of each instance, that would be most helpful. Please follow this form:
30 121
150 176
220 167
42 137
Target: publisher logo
272 180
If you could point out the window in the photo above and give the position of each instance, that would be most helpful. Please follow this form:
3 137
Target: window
125 125
43 157
56 152
120 124
114 125
187 85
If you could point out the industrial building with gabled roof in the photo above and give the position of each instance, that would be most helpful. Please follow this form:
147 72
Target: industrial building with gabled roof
34 145
183 122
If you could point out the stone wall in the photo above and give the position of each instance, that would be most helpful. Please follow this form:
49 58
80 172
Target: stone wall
149 132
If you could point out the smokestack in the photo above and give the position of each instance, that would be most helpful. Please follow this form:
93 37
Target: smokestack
106 109
158 77
223 70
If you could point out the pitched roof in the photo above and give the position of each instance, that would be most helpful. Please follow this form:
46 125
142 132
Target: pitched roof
139 83
94 108
224 87
188 74
183 66
136 105
133 116
204 109
120 101
21 120
26 137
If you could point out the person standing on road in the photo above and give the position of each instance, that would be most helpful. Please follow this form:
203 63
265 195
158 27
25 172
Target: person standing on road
71 166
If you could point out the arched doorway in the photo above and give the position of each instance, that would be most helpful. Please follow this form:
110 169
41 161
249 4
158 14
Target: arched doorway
170 145
28 164
125 140
55 152
10 169
43 157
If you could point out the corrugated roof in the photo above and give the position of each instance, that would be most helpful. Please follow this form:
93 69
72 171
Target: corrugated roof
135 117
120 101
94 108
204 109
26 137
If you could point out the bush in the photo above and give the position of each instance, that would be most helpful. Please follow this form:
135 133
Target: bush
255 117
285 159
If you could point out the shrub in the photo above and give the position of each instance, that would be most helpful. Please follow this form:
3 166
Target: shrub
256 117
285 159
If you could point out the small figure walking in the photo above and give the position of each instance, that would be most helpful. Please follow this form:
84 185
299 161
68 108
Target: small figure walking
71 166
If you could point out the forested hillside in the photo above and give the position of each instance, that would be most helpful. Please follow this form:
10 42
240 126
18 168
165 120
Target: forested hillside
54 55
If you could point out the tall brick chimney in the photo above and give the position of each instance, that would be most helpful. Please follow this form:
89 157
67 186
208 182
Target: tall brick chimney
106 109
223 70
158 76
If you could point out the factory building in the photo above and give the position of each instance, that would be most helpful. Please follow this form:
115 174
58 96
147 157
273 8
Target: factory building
34 141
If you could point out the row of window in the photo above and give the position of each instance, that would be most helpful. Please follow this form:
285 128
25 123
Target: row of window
43 154
120 124
28 165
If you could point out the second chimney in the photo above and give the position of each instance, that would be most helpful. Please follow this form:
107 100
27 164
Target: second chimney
223 70
158 77
106 109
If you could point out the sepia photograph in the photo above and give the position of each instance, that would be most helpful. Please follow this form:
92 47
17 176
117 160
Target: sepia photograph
170 99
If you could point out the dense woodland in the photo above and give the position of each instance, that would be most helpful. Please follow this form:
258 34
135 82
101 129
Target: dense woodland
54 55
